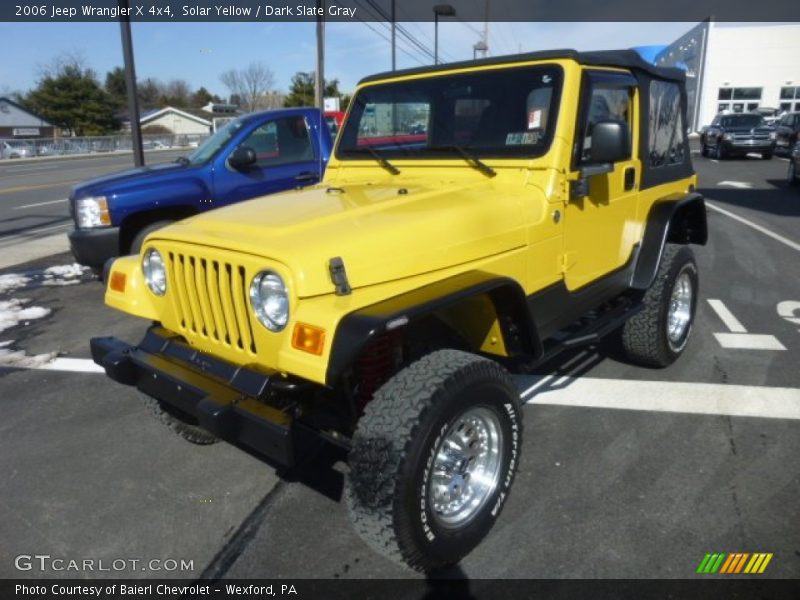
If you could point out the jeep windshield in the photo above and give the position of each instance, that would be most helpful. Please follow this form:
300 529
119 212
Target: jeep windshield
500 113
212 145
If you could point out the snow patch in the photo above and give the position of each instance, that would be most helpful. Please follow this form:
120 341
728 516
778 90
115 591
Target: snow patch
64 274
12 281
20 360
13 312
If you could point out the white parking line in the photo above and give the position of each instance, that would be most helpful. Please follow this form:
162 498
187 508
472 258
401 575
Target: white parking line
749 341
38 204
675 397
742 185
731 322
756 226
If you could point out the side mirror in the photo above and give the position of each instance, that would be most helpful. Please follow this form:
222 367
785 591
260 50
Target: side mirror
611 142
242 158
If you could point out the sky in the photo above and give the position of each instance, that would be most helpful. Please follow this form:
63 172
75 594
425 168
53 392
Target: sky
200 52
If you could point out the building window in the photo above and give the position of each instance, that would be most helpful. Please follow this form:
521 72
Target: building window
751 94
790 93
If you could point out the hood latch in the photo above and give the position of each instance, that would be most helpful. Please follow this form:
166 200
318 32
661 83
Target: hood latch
339 276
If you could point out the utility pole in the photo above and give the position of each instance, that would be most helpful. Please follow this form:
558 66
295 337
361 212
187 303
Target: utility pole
130 84
394 52
319 87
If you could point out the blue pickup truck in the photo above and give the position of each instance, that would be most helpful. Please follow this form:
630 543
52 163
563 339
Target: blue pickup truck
253 155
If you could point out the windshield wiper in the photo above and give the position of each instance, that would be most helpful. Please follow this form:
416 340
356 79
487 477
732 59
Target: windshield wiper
380 158
182 160
469 157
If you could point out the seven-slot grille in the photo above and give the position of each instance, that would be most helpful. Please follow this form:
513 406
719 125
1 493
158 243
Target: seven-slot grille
751 136
212 300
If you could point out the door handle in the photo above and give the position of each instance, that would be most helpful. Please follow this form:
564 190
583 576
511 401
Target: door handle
306 176
630 178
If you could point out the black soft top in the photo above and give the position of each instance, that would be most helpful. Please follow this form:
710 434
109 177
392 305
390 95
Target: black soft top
629 59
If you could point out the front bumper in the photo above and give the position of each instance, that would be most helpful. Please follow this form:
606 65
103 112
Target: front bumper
238 404
93 247
745 146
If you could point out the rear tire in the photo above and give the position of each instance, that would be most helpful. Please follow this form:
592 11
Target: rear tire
791 174
658 334
181 424
436 423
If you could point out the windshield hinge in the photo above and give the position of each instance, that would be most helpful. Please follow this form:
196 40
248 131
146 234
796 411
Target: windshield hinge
339 276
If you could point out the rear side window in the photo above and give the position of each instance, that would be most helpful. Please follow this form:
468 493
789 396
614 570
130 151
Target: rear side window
667 139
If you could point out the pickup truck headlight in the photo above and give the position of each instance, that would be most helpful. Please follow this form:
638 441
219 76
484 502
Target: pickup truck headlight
270 300
727 136
92 212
155 275
773 135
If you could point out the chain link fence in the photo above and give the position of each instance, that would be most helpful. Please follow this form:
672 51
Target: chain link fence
30 148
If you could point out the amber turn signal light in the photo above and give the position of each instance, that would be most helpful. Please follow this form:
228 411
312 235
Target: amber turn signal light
117 281
308 338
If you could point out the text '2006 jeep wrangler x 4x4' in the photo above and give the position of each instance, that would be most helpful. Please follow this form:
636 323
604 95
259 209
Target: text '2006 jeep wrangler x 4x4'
475 218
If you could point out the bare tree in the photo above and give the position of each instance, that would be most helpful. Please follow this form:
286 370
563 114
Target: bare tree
250 84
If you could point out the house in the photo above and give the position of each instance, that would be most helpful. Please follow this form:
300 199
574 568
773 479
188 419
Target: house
178 121
19 122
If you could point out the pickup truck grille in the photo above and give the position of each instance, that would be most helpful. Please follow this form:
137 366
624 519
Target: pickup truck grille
212 301
751 136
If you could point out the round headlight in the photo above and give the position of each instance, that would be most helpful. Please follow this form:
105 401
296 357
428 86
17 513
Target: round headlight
155 275
270 300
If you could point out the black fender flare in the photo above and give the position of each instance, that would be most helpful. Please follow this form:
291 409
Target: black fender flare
358 328
679 218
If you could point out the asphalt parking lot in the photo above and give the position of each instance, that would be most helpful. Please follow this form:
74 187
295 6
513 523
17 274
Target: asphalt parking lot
626 472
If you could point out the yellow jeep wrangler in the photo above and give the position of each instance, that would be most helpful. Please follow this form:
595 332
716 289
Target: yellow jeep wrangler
476 219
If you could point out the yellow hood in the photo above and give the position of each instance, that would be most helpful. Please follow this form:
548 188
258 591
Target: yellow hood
382 232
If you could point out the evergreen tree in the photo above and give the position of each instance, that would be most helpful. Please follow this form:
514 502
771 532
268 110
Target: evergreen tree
72 98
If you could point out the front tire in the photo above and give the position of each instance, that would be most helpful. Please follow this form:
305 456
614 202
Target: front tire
766 156
658 334
138 239
433 459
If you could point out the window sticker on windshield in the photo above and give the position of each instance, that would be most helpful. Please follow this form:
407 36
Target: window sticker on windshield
518 138
534 119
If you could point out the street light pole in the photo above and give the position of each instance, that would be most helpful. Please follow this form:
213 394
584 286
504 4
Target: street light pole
440 10
130 84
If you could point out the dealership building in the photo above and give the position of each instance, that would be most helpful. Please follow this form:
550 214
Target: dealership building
737 67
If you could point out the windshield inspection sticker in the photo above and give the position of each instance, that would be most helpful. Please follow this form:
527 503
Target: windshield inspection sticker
518 138
534 119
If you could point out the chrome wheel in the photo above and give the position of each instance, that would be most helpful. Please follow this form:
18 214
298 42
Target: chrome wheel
680 308
466 468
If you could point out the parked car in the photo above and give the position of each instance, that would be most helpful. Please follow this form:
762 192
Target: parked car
793 175
16 149
253 155
787 132
738 135
379 312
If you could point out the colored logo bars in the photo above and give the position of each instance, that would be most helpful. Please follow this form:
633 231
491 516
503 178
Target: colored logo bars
737 562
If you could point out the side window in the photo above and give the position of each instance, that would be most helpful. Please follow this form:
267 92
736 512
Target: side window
606 103
280 142
667 139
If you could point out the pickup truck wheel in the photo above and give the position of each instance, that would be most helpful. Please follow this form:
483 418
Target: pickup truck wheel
704 150
138 239
791 174
766 155
433 459
179 423
658 334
